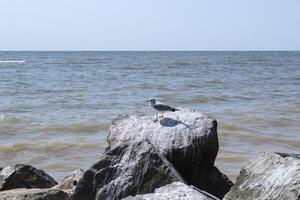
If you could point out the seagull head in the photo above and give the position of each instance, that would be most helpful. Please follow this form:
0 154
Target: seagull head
152 101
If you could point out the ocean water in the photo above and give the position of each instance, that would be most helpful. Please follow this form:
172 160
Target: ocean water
56 107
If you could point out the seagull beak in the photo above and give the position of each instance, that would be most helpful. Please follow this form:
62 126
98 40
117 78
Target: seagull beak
147 100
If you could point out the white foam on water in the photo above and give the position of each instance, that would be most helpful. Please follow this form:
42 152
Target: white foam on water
2 117
12 61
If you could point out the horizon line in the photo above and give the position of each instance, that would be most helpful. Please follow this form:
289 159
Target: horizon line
150 50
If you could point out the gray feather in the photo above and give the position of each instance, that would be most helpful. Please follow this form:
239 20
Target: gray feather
162 107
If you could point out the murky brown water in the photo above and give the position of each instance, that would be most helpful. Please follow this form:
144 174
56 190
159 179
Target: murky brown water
56 107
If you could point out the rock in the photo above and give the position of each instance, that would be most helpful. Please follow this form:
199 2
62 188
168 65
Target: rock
175 190
70 181
188 139
24 176
219 184
272 176
33 194
127 169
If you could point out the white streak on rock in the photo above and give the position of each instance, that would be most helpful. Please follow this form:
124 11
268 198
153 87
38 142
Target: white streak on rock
174 191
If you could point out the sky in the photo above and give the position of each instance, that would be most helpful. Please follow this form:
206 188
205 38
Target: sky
150 25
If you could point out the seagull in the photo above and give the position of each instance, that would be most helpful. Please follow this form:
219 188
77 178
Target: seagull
160 107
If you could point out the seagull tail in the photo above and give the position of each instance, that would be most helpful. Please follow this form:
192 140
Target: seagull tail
175 109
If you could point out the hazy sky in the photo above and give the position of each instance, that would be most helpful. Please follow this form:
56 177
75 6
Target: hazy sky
150 25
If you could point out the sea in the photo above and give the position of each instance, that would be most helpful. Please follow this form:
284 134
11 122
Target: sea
56 107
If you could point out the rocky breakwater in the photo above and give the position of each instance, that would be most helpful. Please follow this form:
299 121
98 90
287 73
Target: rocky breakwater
272 176
24 182
24 176
143 155
169 159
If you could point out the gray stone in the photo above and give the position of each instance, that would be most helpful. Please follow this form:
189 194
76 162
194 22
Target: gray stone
24 176
70 181
127 169
272 176
33 194
174 191
188 139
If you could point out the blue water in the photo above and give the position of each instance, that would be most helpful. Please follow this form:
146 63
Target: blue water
56 107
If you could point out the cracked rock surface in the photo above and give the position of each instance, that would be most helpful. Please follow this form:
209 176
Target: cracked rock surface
174 191
272 176
128 169
188 139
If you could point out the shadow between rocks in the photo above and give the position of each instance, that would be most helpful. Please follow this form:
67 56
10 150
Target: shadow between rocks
168 122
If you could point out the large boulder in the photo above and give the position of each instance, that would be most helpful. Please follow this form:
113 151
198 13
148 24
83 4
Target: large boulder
127 169
175 190
24 176
272 176
188 139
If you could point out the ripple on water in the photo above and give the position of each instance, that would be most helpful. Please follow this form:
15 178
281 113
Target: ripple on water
297 78
75 128
244 97
180 63
55 157
12 120
214 81
282 122
43 147
145 86
10 125
232 158
229 127
293 143
56 165
259 140
196 99
38 159
202 98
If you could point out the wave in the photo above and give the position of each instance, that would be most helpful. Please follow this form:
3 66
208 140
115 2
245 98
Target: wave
229 127
75 128
193 100
50 148
12 61
297 78
9 119
270 139
214 81
179 64
146 86
232 158
244 97
182 63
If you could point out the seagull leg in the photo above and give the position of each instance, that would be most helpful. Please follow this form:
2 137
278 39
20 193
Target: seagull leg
162 115
155 120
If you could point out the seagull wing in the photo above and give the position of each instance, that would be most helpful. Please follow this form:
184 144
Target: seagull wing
163 107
